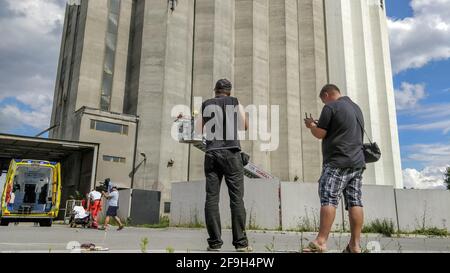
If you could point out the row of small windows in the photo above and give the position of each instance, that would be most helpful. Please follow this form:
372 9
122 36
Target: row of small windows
109 127
114 159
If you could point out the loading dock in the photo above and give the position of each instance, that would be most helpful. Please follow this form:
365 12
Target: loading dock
78 160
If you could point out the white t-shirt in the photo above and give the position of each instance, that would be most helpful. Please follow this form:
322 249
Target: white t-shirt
95 195
80 212
114 200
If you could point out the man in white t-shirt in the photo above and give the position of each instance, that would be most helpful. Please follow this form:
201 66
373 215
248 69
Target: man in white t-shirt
113 207
80 212
94 206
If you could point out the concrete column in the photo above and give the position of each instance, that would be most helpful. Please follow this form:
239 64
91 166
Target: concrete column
313 76
252 64
286 162
92 62
165 81
386 100
213 58
151 93
177 91
366 83
359 62
121 59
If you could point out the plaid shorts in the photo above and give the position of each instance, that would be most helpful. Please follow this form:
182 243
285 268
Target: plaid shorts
336 182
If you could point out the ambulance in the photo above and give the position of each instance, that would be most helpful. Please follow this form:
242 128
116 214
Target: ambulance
32 192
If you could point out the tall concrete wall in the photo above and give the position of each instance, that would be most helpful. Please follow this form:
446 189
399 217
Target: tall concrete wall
213 58
358 57
313 68
165 81
261 202
286 161
91 71
277 52
251 77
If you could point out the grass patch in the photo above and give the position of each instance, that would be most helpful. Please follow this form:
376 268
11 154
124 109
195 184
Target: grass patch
434 231
385 227
170 249
307 223
191 225
252 222
164 222
144 245
196 223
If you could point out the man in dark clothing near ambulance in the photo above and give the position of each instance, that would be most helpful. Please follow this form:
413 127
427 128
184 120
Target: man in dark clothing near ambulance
222 118
340 128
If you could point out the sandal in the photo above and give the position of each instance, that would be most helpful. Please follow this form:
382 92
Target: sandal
348 250
314 248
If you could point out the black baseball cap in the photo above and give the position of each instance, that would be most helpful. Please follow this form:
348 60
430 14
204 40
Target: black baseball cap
223 84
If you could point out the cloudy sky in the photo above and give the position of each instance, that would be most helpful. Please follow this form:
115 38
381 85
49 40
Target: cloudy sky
30 32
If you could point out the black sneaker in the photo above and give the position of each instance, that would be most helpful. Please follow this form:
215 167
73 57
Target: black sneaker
213 249
244 249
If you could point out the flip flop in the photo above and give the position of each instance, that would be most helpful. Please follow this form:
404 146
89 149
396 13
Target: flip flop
348 250
313 248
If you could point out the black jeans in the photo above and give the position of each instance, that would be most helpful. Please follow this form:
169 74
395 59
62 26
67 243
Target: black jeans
218 164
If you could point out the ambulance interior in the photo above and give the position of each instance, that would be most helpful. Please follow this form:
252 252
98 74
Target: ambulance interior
32 188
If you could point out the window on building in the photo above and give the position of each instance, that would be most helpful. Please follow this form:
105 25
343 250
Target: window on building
167 207
382 4
115 159
109 127
110 54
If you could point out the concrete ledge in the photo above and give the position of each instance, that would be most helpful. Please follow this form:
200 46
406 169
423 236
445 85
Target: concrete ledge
379 204
261 201
188 202
300 207
419 208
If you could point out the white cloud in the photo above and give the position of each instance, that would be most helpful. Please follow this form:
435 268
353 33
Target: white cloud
428 178
438 125
30 32
425 37
436 155
428 117
409 95
15 118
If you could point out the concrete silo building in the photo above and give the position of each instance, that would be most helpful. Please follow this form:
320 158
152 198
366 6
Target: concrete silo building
125 64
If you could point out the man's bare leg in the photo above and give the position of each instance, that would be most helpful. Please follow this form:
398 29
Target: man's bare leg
356 217
119 222
327 215
105 225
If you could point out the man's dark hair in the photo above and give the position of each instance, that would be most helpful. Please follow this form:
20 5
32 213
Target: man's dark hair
328 89
223 86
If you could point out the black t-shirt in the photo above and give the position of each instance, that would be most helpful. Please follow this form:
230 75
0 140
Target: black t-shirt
222 111
343 145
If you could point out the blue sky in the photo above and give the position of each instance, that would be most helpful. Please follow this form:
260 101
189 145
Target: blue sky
30 32
420 51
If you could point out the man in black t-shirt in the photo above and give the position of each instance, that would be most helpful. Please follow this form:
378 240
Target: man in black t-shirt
340 128
221 119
